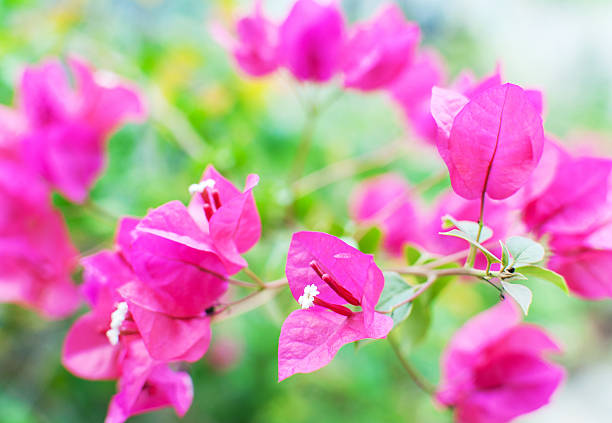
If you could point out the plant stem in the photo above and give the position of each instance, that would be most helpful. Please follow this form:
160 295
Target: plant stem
418 379
348 167
469 263
99 211
301 155
254 277
421 289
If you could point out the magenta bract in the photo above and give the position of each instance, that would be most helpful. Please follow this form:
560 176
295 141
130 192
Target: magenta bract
378 51
311 40
36 255
492 143
148 385
494 368
412 90
67 127
324 274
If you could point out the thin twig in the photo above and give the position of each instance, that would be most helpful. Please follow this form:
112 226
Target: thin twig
347 168
421 289
418 379
254 277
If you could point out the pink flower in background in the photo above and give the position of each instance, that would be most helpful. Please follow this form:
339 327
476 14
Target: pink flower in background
494 368
378 51
67 127
386 200
491 143
147 385
36 255
256 47
325 274
412 90
311 40
582 258
12 126
575 200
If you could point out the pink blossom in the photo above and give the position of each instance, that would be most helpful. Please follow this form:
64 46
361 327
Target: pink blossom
582 258
36 255
491 143
575 200
494 369
378 51
228 215
412 90
386 200
324 274
146 385
256 47
67 128
311 40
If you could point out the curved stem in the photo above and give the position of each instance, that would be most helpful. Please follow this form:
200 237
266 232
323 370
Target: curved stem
253 277
418 379
421 289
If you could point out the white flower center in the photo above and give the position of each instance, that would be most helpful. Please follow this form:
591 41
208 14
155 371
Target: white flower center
307 300
117 318
201 186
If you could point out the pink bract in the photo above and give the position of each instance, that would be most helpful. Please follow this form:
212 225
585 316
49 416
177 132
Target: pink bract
310 338
386 201
491 143
36 255
311 40
67 127
494 368
575 200
378 51
412 90
147 385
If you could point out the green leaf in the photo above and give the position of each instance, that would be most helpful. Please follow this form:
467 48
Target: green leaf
396 291
520 293
460 234
370 241
524 251
412 254
538 273
468 227
505 255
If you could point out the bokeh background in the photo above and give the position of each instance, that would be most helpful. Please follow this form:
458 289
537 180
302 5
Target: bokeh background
202 110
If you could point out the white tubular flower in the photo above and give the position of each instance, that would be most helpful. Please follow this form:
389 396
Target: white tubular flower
117 318
307 300
201 186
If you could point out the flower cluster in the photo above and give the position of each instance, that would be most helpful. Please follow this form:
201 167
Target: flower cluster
152 296
314 43
54 138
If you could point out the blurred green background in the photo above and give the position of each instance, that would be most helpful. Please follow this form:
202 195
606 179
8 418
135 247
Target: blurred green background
202 110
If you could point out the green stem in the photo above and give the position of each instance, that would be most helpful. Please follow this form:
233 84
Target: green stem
469 263
418 379
306 138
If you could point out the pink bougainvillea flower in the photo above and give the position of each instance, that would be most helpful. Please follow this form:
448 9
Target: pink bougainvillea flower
36 255
229 216
256 47
494 368
412 90
575 200
491 143
386 201
580 258
325 274
378 51
12 127
311 40
67 127
146 385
